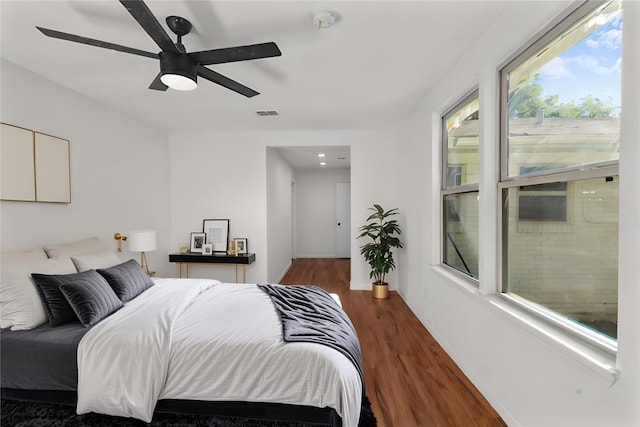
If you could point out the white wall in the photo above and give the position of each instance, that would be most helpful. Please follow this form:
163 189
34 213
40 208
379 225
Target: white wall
520 366
220 175
411 172
377 177
280 178
315 212
119 179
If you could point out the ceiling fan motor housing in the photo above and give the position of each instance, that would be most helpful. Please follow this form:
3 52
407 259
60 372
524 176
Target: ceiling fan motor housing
178 63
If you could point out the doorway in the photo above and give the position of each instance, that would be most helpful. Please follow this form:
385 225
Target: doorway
316 171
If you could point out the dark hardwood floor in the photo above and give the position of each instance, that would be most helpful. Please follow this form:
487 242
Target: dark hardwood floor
410 379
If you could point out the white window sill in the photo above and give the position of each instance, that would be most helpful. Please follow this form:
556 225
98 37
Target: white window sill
596 360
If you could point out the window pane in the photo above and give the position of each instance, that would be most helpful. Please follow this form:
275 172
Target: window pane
461 232
462 127
542 208
543 202
571 267
564 101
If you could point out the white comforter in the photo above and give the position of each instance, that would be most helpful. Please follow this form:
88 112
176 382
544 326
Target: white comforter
198 339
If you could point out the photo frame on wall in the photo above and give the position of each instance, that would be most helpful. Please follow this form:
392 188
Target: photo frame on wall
241 245
207 249
197 240
217 233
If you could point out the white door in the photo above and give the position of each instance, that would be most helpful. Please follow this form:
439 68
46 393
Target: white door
343 220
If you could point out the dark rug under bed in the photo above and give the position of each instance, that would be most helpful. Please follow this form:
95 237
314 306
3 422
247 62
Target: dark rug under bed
28 414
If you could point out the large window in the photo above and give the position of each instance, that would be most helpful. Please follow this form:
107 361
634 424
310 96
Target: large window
460 166
560 136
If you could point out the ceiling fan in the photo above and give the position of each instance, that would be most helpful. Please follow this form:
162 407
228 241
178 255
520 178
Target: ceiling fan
179 69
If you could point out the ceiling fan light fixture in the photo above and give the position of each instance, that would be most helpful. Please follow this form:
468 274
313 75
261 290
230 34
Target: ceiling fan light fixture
178 82
178 71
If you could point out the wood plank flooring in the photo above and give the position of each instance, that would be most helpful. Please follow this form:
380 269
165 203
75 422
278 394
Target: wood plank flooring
410 379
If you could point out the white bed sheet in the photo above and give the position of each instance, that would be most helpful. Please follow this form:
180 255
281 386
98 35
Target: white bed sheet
225 345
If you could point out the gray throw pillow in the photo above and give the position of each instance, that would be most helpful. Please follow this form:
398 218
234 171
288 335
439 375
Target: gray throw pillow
56 305
128 280
91 299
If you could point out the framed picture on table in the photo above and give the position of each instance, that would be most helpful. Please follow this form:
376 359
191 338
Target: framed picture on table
207 249
217 233
241 245
197 240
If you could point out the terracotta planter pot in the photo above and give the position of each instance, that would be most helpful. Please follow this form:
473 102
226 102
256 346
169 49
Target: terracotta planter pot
380 291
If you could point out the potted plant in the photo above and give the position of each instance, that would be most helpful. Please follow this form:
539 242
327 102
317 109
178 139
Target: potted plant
384 234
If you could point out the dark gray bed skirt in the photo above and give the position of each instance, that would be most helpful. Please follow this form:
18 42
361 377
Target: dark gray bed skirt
250 410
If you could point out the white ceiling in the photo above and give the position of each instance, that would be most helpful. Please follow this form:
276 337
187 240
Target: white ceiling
308 158
373 66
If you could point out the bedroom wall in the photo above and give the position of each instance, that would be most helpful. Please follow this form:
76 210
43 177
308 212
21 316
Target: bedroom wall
316 212
217 190
525 371
119 177
280 177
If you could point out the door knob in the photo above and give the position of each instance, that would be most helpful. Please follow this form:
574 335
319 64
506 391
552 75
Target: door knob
338 224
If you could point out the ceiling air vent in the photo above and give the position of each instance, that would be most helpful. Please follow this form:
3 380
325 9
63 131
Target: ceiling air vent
267 112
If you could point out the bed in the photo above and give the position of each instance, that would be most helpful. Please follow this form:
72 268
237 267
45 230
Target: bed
174 345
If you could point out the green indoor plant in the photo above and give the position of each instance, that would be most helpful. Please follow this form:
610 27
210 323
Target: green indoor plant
383 233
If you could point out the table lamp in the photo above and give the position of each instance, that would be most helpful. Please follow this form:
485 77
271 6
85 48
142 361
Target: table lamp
142 241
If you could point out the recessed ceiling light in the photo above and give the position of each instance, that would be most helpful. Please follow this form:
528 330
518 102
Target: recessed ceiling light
323 164
321 155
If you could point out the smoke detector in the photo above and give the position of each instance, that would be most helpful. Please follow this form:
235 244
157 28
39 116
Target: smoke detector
324 18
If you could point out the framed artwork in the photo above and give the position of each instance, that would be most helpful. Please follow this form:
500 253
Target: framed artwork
217 232
197 240
241 245
207 249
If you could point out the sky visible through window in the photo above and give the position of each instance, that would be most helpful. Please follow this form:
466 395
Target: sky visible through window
579 70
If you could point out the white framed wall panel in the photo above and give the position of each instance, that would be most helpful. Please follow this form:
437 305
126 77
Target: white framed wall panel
53 181
35 167
17 164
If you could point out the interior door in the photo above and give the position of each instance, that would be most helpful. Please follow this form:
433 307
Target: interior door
343 220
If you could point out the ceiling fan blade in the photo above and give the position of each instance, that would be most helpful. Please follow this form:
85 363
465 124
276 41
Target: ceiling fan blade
238 53
157 84
98 43
141 13
226 82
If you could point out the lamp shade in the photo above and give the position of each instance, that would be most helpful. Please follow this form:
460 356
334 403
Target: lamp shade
142 240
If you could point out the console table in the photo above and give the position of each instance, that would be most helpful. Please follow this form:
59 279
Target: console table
193 258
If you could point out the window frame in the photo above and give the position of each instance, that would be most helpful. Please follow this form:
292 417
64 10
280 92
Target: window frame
586 171
448 190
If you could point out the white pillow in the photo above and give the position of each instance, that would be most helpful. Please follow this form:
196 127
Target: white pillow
16 259
24 257
20 303
96 260
79 247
